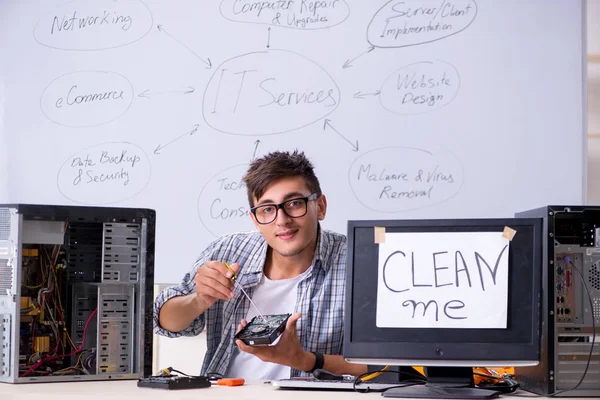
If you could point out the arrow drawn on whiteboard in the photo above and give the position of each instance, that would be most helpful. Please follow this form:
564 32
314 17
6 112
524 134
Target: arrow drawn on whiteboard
256 143
327 123
269 38
147 93
359 95
207 61
348 63
190 133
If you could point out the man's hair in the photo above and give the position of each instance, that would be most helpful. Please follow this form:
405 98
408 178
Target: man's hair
276 165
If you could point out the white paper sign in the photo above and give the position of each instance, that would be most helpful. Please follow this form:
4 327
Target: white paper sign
443 280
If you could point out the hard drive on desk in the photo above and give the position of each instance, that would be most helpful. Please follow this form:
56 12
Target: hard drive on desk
174 382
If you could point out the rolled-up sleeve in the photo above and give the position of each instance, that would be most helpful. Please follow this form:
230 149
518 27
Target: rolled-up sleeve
220 249
187 286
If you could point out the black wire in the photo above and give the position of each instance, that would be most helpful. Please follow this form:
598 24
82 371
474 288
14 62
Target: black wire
416 375
179 372
529 395
166 373
587 365
408 382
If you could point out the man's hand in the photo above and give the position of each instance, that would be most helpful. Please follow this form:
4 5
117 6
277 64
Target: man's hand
213 282
288 350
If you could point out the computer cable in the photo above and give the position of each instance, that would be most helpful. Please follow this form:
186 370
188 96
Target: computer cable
167 372
404 383
375 374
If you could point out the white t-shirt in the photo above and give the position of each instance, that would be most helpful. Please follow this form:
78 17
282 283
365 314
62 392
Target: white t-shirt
271 297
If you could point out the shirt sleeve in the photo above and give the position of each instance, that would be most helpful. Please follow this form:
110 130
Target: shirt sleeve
186 287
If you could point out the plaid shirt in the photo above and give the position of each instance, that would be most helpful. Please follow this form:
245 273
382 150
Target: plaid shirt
320 297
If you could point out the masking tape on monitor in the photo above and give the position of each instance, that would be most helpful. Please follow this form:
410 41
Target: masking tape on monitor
379 234
509 233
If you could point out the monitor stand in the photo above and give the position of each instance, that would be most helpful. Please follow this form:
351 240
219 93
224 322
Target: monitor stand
444 383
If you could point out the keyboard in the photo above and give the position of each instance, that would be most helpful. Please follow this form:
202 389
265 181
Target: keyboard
174 382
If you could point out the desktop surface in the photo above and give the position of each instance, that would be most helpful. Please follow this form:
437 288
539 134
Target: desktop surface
127 390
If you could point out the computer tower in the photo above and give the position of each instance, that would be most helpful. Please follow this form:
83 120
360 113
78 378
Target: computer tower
76 293
570 360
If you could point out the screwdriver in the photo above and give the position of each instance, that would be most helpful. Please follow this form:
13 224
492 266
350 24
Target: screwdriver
234 280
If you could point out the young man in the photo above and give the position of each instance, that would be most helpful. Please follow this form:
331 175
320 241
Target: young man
290 265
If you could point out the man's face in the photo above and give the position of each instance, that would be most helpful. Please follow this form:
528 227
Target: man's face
291 236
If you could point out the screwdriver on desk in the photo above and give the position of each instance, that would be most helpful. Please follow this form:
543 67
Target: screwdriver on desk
234 280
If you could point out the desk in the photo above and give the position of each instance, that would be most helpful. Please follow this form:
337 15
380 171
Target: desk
127 390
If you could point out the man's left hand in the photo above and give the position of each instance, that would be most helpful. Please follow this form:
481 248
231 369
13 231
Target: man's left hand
287 351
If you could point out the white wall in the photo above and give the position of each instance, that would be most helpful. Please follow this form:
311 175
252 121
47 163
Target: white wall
593 35
186 354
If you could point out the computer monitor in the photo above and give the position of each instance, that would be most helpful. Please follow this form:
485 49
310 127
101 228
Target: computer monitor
448 295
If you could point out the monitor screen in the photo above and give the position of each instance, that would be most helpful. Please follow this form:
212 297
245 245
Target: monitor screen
444 293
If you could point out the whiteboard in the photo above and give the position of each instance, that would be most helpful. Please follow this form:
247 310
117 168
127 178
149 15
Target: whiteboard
408 109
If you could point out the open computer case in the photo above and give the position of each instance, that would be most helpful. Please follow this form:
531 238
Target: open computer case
75 293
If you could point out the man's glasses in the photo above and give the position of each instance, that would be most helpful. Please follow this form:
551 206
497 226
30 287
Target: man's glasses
294 208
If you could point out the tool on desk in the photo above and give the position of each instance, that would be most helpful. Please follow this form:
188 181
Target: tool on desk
234 280
165 379
231 382
174 382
